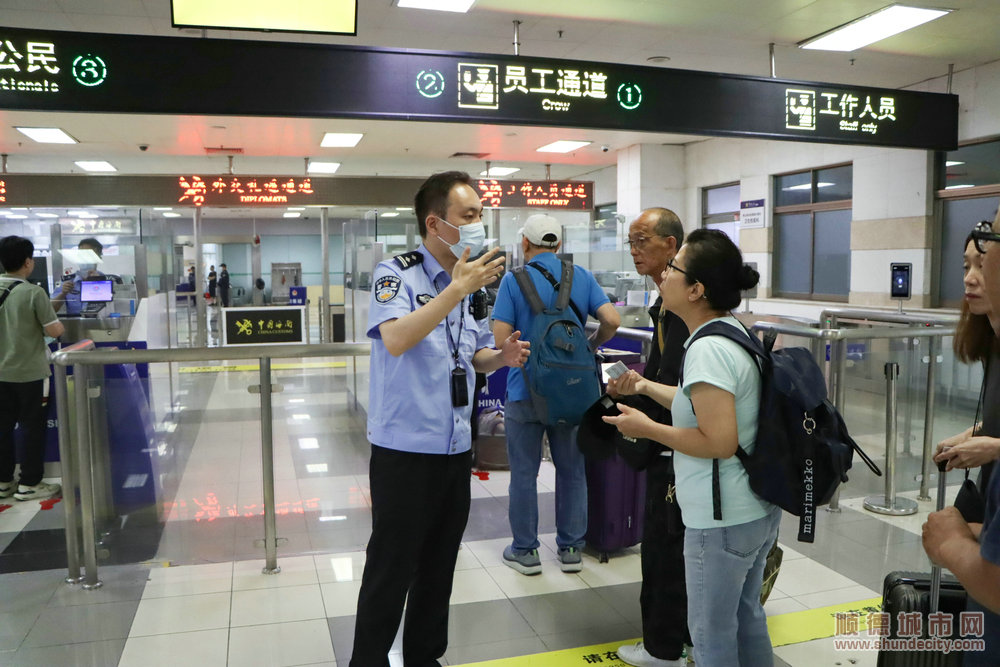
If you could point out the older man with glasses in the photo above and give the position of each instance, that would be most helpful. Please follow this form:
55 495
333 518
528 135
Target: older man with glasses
972 551
653 240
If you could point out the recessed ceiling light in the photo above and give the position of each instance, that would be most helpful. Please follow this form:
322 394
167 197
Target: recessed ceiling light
171 214
292 214
439 5
296 208
404 208
47 135
15 216
499 171
47 215
95 165
563 146
323 167
952 163
340 140
872 28
163 208
390 214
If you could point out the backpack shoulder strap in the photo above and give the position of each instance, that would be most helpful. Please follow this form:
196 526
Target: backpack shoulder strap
528 290
6 292
567 281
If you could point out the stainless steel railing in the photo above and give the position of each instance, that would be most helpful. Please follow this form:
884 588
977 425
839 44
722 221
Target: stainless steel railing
76 455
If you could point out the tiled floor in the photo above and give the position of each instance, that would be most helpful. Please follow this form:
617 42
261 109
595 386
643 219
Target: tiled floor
183 582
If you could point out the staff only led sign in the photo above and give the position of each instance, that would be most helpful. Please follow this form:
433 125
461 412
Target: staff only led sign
64 71
570 195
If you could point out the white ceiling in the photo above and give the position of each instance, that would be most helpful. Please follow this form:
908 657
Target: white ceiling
717 35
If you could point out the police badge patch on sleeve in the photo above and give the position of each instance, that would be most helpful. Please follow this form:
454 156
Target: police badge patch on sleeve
386 288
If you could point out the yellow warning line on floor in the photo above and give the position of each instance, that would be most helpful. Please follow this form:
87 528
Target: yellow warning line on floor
792 628
254 366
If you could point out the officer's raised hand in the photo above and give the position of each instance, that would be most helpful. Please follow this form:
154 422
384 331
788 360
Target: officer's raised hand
470 276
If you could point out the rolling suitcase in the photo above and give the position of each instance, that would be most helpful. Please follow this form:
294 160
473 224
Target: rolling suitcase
920 592
616 501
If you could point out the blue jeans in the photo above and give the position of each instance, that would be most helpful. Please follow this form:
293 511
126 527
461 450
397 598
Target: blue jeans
524 451
725 570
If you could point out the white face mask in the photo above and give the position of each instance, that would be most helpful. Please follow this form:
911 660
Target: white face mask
471 236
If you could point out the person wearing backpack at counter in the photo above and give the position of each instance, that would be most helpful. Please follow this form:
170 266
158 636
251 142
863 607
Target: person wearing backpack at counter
723 558
541 239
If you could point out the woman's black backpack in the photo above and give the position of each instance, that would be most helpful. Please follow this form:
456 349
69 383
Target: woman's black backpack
803 450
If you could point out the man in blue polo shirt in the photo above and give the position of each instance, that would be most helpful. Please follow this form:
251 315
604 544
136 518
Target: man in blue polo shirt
427 347
541 239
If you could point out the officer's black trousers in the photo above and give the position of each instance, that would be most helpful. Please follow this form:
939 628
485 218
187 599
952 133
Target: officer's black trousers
420 505
663 598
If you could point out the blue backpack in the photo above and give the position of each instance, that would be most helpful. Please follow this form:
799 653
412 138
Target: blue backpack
803 450
561 372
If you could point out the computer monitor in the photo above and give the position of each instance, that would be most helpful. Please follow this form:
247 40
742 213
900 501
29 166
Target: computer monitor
96 291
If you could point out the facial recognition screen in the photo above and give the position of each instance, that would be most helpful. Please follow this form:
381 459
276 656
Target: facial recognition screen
99 291
900 281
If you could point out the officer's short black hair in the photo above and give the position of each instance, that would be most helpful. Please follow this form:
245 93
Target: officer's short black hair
92 243
221 266
432 197
14 252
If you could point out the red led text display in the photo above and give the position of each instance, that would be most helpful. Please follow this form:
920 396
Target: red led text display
570 195
243 190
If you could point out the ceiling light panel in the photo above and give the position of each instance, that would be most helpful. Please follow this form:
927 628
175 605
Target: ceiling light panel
872 28
323 167
340 140
563 146
95 165
438 5
47 135
496 172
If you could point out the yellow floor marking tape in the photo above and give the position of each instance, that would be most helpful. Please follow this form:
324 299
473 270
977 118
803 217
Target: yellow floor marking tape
792 628
253 367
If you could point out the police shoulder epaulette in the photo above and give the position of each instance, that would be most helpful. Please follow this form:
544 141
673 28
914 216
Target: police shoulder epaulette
406 260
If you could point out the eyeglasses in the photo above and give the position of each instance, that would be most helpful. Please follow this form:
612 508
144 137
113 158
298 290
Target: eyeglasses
983 236
639 243
674 267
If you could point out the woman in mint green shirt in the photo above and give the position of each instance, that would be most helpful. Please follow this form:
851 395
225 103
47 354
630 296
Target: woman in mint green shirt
714 412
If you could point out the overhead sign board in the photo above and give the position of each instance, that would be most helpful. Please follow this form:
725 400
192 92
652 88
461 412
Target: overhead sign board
263 326
64 71
570 195
60 190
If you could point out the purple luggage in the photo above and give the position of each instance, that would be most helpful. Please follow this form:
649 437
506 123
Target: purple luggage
616 501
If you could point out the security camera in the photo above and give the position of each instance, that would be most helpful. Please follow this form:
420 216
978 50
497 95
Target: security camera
144 147
604 149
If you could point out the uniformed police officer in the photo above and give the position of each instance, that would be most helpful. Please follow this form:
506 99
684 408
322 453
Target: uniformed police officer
427 346
69 290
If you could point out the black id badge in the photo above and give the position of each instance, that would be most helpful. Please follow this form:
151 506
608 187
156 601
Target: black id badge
459 388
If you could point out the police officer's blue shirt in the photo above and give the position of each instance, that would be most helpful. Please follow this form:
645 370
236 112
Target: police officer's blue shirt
511 306
410 403
73 303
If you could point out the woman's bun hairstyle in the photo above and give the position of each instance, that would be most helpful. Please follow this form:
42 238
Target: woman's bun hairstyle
714 260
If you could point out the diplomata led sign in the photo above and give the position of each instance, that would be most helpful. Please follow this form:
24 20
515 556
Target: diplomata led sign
65 71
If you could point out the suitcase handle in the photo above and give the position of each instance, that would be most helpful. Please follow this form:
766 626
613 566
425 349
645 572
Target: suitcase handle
935 595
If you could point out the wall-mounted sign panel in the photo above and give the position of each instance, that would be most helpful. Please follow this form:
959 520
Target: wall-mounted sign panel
104 226
63 71
751 213
61 190
570 195
263 326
